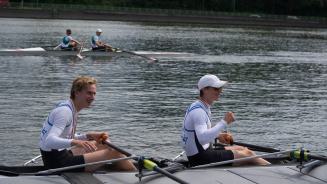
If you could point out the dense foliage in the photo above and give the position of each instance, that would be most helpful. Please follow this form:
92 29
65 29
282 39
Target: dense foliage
289 7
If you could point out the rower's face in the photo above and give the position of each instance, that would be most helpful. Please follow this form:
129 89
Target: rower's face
86 96
98 33
212 93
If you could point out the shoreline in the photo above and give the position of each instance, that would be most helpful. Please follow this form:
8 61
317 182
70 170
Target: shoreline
216 20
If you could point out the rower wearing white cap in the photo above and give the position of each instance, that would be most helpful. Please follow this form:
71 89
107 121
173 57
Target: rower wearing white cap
98 44
198 133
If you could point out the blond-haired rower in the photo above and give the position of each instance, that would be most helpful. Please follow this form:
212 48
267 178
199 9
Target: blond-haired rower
58 133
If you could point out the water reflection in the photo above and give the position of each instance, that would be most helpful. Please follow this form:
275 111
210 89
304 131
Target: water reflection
277 84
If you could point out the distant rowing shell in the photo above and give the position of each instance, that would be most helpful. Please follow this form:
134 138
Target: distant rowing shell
39 51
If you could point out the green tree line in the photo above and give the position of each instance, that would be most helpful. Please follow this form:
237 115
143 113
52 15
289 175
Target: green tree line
285 7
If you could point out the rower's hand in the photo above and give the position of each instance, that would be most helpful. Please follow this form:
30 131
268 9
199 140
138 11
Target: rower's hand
229 117
226 138
97 136
88 146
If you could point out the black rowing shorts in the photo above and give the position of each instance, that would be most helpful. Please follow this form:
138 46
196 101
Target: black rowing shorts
56 159
99 48
210 156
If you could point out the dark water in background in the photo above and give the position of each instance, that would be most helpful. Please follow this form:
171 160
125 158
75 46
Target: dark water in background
277 84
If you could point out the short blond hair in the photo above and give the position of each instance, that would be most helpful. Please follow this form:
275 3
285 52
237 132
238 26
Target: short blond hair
81 83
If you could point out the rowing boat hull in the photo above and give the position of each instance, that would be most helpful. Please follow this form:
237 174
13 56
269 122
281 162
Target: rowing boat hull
39 51
242 175
58 53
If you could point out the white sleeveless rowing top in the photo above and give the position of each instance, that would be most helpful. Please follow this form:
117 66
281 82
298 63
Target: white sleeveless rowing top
197 132
94 39
59 127
65 41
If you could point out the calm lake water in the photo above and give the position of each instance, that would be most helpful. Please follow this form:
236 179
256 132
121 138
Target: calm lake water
278 84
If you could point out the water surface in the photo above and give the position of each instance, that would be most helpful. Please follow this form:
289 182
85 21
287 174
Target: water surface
277 86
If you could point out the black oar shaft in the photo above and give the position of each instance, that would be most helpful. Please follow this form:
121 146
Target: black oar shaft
169 175
117 148
147 164
257 148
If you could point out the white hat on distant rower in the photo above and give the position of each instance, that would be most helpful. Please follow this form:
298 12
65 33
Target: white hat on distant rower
99 31
210 81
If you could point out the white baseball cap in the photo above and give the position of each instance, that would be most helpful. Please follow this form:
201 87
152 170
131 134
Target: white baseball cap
99 31
210 80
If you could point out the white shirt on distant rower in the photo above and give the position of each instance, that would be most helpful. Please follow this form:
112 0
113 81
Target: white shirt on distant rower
59 128
197 122
65 41
95 38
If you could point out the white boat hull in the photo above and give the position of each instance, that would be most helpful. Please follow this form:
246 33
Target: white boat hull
39 51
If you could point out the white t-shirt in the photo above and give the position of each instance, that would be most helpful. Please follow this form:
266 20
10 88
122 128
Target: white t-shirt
95 38
59 128
197 128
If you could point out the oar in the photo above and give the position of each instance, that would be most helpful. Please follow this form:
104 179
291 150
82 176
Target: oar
80 50
55 48
170 169
130 52
250 146
257 148
33 160
148 164
140 55
179 155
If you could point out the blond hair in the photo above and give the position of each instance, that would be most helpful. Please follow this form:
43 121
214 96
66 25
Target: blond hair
81 83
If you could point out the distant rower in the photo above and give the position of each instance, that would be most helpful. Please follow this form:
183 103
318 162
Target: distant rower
68 43
98 44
